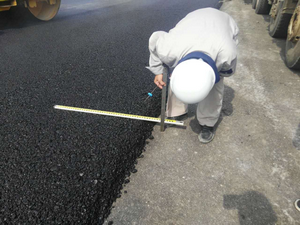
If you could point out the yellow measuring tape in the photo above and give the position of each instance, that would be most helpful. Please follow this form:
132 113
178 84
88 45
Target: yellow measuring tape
122 115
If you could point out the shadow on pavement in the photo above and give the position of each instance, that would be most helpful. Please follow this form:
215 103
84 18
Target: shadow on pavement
253 208
227 110
296 139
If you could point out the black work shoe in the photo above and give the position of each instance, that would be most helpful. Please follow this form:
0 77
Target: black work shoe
206 135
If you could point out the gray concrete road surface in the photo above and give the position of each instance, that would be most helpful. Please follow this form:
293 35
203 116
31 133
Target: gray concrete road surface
250 173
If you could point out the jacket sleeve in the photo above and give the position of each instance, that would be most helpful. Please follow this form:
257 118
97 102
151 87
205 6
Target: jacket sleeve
235 30
229 58
155 63
228 68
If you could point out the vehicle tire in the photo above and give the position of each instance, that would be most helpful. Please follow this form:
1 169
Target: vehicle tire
279 25
292 47
254 4
262 7
292 55
44 10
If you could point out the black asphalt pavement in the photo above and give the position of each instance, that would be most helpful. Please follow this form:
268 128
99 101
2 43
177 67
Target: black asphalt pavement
59 167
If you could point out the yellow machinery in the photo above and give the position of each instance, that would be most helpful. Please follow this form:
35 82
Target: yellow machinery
284 23
41 9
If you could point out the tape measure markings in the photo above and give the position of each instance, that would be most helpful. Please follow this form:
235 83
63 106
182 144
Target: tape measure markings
115 114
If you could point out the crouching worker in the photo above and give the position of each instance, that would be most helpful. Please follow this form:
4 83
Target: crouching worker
200 51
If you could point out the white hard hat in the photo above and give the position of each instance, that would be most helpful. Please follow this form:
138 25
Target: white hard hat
192 80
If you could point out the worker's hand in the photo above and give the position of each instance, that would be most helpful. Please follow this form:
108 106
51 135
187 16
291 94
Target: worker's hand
158 80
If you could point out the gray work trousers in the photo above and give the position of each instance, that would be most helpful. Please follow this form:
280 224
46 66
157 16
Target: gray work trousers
208 110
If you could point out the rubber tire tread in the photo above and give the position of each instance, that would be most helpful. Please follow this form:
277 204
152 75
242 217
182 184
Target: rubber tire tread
263 7
292 55
281 24
254 4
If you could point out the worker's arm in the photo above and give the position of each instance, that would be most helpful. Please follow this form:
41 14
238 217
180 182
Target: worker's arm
227 59
228 68
155 63
235 30
228 56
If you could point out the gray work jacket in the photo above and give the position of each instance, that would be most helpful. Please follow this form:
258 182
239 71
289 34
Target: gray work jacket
206 30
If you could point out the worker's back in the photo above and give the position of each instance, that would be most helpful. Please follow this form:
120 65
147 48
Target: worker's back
207 30
207 22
